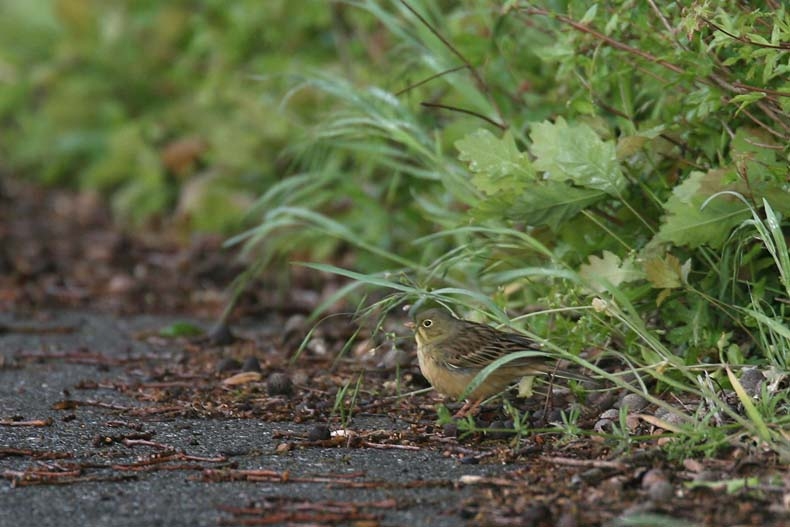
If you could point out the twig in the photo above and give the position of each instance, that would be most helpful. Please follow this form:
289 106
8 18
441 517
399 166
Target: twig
742 39
609 40
32 422
35 454
386 446
463 110
478 79
595 463
429 79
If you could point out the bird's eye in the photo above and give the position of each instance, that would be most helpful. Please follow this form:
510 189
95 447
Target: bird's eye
427 323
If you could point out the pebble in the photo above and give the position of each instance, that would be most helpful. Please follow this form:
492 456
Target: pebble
661 491
221 335
319 433
634 402
498 430
450 430
603 426
751 380
653 476
294 325
251 364
395 357
279 384
632 422
227 365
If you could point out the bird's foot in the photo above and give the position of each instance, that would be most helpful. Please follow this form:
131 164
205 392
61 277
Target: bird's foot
469 408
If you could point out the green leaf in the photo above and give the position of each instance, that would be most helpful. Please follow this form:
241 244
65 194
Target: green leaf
689 223
577 154
609 270
666 273
497 164
181 329
550 203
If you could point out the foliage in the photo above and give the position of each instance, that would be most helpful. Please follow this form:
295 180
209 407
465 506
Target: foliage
622 165
550 152
156 104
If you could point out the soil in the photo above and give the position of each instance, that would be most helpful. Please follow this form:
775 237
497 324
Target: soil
123 402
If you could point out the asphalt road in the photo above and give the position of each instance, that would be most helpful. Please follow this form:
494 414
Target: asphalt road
85 487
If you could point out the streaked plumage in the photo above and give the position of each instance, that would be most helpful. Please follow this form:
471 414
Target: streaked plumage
452 352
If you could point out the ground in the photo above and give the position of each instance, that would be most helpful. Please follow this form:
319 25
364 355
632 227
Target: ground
114 413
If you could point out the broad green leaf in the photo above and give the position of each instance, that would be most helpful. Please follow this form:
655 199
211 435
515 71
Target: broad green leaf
497 164
755 152
577 154
666 273
609 269
549 203
688 223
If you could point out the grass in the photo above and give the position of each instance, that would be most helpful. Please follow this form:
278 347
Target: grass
654 238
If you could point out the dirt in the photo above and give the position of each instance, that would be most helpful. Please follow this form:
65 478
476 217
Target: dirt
112 412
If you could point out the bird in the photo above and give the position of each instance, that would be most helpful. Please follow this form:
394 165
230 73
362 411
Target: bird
452 351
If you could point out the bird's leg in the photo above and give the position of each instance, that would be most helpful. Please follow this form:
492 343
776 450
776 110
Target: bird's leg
548 396
470 407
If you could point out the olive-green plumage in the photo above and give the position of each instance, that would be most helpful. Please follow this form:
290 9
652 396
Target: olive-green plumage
452 352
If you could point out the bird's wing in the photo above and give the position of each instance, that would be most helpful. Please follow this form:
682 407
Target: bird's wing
479 345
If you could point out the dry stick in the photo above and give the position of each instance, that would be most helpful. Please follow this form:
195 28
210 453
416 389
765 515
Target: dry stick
36 454
664 20
677 69
478 79
429 79
595 463
386 446
62 330
609 40
742 39
464 110
33 422
303 518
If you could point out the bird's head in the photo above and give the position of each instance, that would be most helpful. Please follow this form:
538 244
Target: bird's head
434 325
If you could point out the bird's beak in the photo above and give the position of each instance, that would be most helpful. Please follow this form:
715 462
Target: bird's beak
410 325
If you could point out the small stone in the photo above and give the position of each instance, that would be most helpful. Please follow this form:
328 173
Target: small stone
611 414
318 346
568 518
661 491
603 426
251 364
227 365
395 357
634 402
450 430
121 284
279 384
295 324
282 448
539 514
319 433
706 475
632 422
497 430
652 477
554 416
751 380
221 335
675 419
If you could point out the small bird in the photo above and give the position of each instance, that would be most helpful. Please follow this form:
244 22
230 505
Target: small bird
452 352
